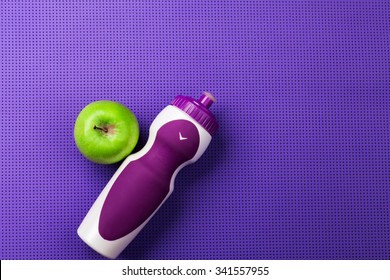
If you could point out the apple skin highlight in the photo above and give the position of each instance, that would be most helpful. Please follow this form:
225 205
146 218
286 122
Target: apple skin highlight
106 132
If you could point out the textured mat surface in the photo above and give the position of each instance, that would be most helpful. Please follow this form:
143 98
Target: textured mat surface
298 170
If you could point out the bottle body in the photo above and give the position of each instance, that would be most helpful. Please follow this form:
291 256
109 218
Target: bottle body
143 182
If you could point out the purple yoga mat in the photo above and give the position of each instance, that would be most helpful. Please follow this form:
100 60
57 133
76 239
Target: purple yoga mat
299 168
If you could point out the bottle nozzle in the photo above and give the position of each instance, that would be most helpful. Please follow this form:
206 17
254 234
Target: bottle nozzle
207 99
198 110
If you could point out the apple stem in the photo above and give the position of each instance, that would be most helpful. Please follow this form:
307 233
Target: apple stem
103 129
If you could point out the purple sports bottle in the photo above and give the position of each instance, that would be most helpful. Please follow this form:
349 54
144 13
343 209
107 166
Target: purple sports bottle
178 136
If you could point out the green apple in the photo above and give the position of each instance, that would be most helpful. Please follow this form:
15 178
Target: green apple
106 131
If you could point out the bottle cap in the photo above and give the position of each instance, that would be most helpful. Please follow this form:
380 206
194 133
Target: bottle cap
199 110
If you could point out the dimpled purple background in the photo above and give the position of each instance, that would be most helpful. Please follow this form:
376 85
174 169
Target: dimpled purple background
299 168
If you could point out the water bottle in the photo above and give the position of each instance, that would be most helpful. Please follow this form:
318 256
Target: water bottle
178 136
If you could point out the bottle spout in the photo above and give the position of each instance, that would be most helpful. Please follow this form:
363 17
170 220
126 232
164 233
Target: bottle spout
198 109
207 99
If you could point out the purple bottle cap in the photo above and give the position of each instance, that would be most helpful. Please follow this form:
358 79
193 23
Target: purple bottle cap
199 110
